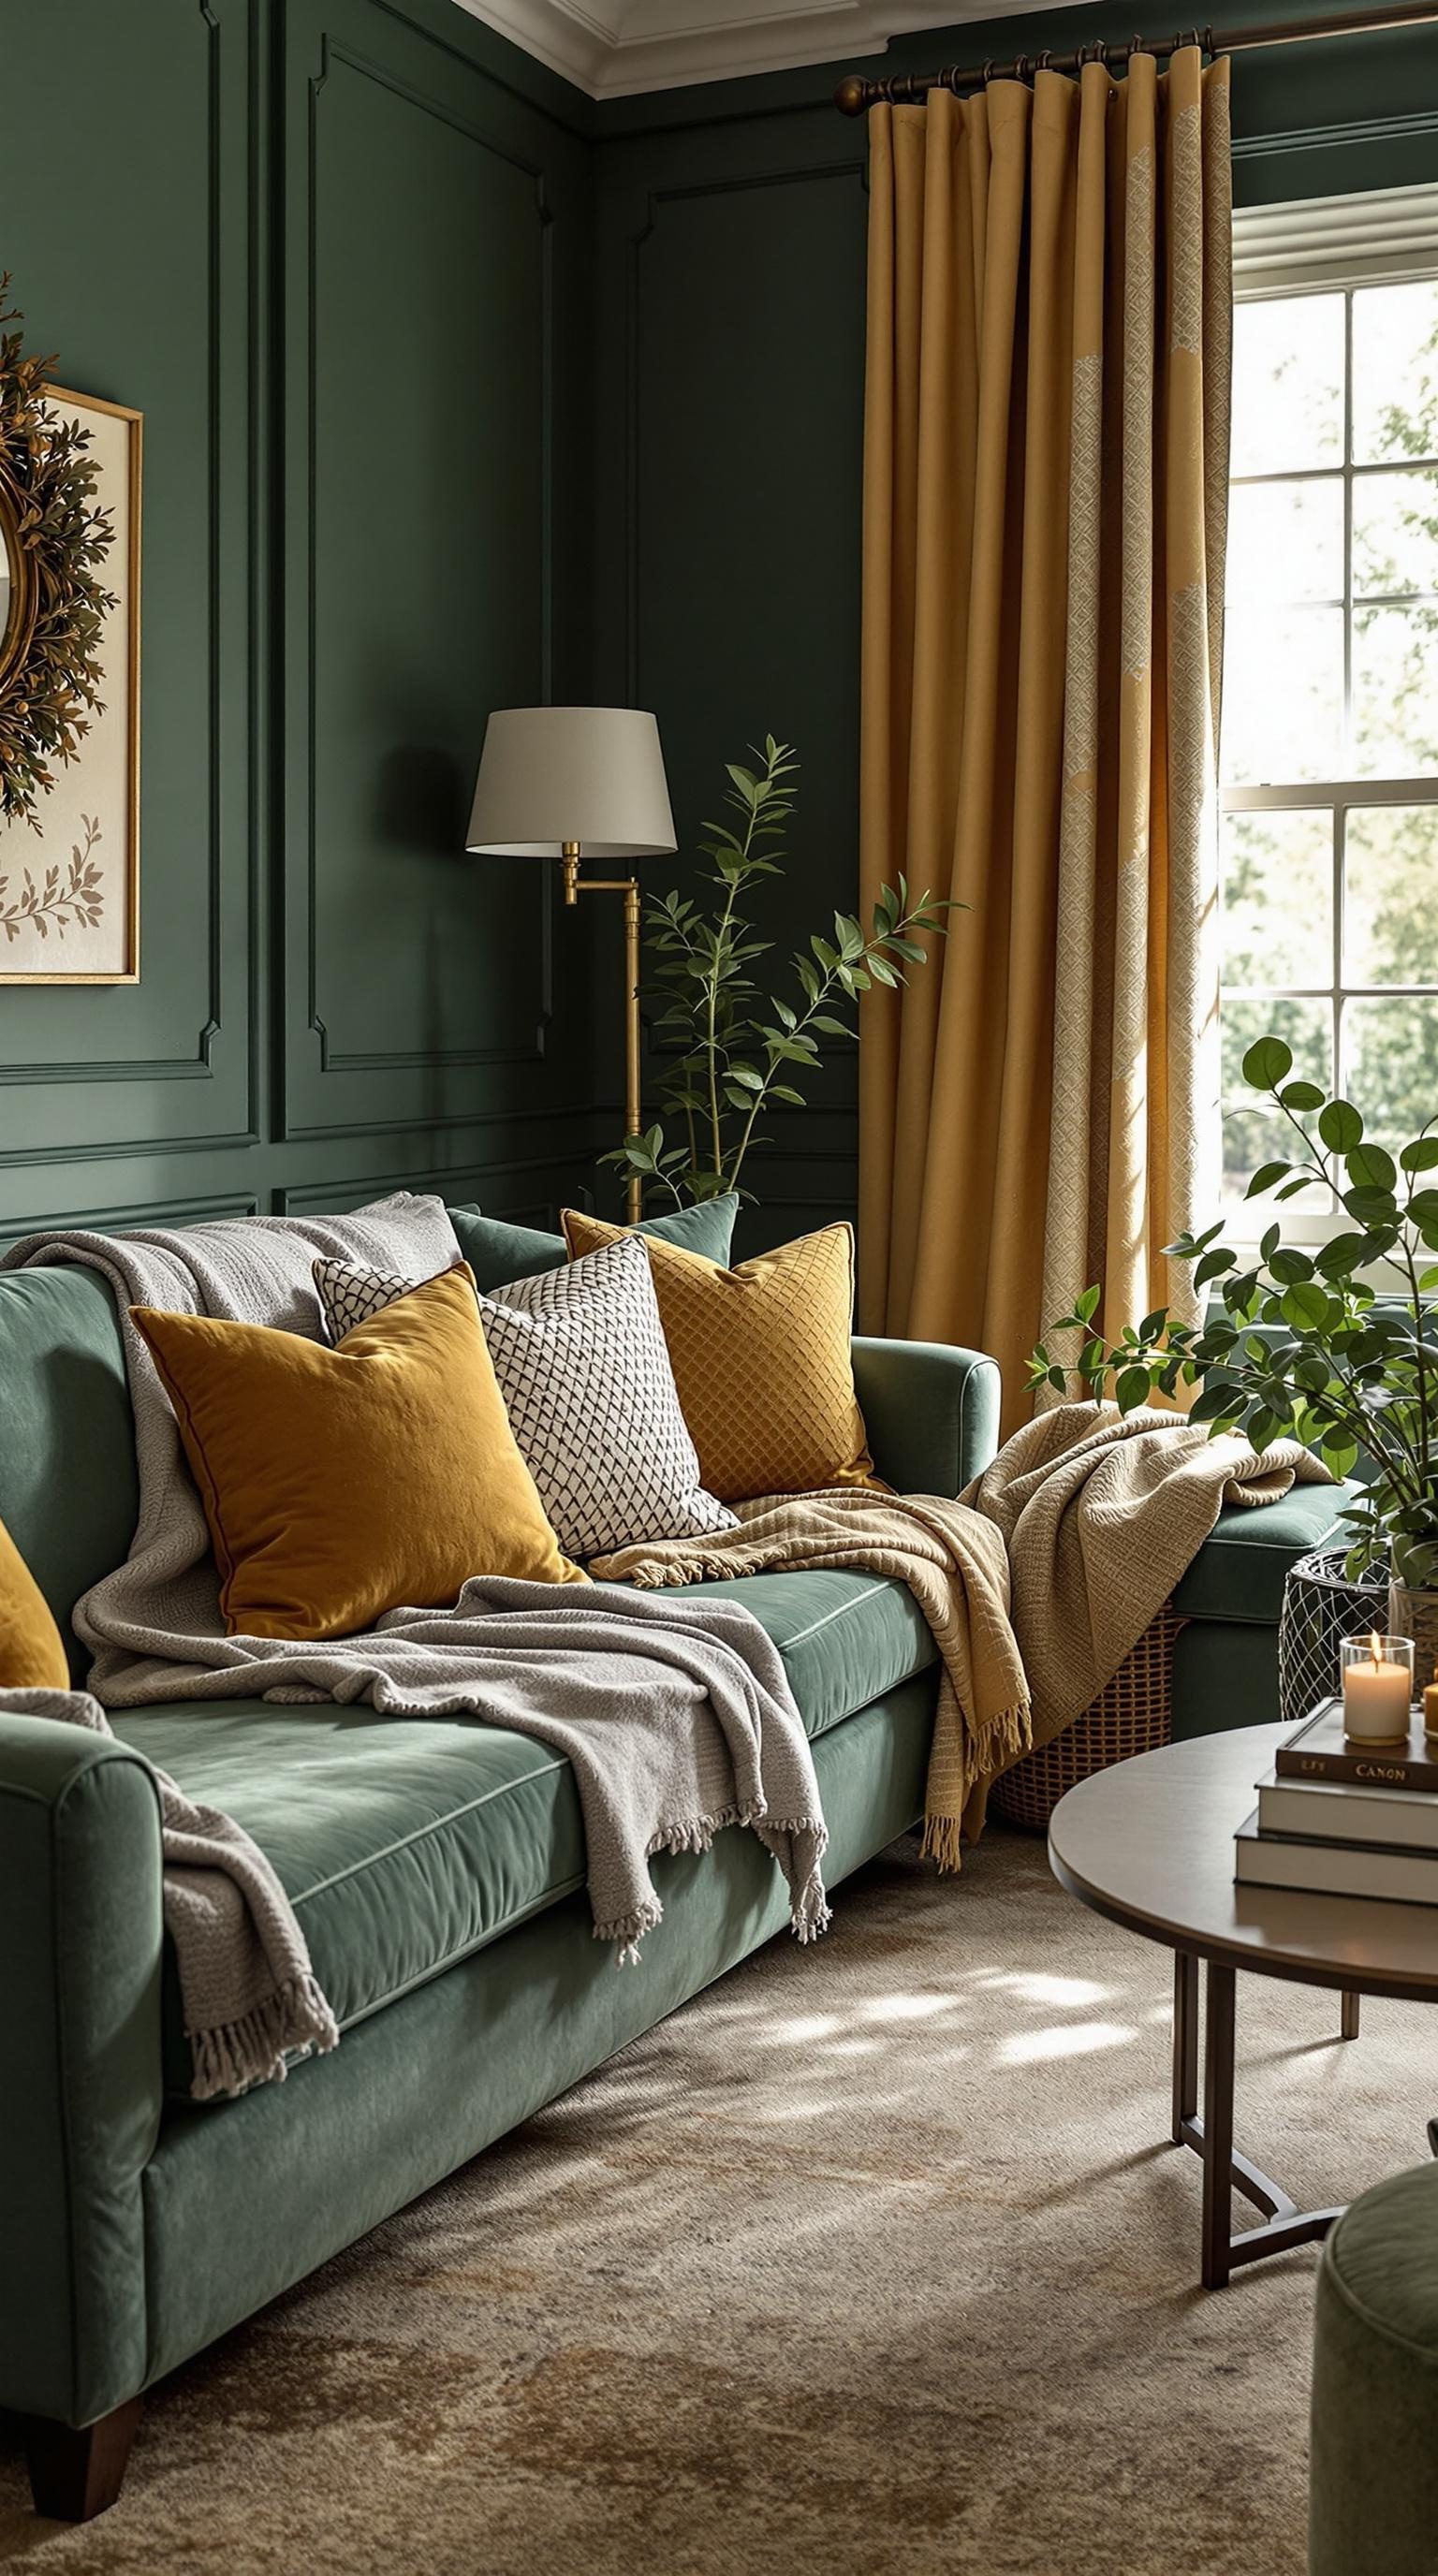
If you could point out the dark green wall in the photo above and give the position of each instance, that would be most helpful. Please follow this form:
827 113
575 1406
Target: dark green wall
459 392
339 252
730 296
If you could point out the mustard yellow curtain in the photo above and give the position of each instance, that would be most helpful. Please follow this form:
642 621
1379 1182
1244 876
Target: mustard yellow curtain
1046 457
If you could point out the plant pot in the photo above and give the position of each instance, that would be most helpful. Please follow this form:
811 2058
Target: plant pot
1413 1613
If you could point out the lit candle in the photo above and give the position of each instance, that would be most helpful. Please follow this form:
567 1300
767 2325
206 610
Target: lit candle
1377 1688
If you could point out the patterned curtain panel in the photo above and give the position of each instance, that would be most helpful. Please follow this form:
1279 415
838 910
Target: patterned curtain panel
1046 459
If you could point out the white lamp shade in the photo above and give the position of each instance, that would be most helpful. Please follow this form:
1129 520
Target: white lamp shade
594 775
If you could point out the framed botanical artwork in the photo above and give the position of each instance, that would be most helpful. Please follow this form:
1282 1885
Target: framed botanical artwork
70 763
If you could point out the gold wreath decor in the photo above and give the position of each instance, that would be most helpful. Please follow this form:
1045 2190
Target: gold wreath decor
53 535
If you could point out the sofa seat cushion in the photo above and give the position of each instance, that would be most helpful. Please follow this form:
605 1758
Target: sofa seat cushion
1239 1572
406 1843
845 1638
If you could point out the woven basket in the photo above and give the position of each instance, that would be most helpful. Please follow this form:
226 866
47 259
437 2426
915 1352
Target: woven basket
1132 1715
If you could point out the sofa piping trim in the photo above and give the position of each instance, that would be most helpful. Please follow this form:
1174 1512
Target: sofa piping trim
421 1832
480 1941
815 1628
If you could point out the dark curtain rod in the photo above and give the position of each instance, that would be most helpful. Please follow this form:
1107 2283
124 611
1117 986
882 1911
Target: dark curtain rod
854 94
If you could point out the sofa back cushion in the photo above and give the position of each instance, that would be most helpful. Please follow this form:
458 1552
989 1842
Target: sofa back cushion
68 1490
499 1253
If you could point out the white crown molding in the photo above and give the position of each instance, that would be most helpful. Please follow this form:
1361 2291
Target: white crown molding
618 48
1335 241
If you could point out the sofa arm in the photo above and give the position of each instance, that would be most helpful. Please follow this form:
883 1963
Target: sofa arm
932 1412
81 1938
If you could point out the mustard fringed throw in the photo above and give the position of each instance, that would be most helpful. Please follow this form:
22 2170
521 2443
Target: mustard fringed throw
1036 1584
955 1565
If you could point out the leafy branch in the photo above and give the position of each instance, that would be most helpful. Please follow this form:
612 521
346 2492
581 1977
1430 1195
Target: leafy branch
734 1052
1303 1344
75 898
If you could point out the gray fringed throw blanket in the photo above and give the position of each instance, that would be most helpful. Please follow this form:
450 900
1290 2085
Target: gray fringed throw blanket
677 1720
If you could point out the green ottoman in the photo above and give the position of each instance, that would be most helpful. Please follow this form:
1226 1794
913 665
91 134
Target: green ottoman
1373 2482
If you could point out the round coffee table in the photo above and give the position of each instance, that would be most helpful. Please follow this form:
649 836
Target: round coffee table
1149 1843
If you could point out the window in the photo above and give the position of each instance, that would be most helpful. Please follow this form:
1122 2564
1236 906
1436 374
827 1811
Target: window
1329 847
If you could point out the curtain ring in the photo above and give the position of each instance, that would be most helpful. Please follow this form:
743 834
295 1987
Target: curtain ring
1043 62
988 71
1135 46
1022 67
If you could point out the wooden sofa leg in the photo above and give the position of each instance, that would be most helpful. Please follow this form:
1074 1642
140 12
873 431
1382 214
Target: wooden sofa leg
75 2474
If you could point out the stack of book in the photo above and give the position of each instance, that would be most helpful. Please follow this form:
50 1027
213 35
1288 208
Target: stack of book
1342 1819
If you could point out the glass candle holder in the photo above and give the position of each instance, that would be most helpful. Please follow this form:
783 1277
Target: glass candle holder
1377 1688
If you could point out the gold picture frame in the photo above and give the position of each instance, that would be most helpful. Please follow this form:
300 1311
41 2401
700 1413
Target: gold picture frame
93 914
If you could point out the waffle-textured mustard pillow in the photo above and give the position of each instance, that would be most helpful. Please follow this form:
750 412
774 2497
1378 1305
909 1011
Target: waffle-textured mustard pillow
761 1359
339 1484
32 1651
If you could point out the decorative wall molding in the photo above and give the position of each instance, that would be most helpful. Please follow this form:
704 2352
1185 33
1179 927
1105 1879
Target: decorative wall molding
654 201
462 1181
223 457
226 322
112 1220
318 1069
618 48
1337 241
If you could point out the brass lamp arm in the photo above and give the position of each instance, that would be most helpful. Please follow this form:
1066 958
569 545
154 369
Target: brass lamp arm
574 886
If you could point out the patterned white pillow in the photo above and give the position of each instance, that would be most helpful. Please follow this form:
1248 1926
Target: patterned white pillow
584 1370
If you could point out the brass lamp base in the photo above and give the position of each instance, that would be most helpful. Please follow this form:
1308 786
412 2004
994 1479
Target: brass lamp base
574 886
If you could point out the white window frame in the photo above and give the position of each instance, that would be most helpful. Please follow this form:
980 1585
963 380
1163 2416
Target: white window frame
1387 237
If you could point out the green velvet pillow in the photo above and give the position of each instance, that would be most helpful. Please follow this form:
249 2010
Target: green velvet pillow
498 1252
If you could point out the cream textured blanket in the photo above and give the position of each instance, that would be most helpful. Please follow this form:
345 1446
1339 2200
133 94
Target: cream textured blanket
1036 1583
676 1720
1102 1514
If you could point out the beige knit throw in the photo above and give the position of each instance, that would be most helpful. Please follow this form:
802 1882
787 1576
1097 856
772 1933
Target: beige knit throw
1036 1584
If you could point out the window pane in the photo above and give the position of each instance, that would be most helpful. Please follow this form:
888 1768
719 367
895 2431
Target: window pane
1282 694
1390 909
1278 899
1395 371
1395 692
1285 541
1287 384
1390 1056
1251 1136
1395 530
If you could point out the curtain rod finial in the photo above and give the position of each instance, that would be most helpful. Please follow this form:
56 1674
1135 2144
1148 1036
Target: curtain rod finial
849 97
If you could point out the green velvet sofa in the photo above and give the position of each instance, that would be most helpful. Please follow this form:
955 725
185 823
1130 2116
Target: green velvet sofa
439 1873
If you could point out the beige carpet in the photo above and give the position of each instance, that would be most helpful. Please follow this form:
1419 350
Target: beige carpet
871 2260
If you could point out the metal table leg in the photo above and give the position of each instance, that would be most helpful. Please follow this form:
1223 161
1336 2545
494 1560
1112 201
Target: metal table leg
1185 2041
1225 2169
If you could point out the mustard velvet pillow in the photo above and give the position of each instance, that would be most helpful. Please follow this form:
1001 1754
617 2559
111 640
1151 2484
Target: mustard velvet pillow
32 1650
342 1483
761 1359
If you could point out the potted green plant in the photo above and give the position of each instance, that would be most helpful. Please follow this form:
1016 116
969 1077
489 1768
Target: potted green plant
730 1053
1334 1343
